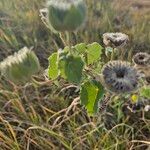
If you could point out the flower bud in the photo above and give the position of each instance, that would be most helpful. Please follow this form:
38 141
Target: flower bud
66 15
20 66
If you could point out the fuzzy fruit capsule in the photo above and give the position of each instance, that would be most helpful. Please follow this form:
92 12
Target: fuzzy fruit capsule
21 66
66 15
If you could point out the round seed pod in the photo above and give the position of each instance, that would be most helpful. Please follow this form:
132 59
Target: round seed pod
119 77
142 59
117 39
21 66
66 15
142 64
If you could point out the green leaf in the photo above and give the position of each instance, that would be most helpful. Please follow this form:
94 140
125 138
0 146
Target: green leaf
71 67
91 93
62 68
74 68
53 71
62 63
145 92
94 52
81 48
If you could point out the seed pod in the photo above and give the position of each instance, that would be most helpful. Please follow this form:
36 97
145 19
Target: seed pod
115 39
142 64
21 66
142 59
120 77
66 15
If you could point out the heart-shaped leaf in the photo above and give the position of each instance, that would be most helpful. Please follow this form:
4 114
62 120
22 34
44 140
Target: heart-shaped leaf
81 48
71 68
91 93
94 52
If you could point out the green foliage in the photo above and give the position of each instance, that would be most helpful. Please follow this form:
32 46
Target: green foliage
91 52
69 64
94 52
71 68
53 71
145 92
91 93
80 48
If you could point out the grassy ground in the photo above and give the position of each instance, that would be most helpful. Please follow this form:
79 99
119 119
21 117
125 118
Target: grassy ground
38 116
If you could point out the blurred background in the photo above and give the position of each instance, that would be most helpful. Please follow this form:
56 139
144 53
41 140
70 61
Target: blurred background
21 25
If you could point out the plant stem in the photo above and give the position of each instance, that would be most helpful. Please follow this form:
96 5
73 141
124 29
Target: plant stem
103 106
130 55
123 51
105 102
62 39
112 54
68 41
